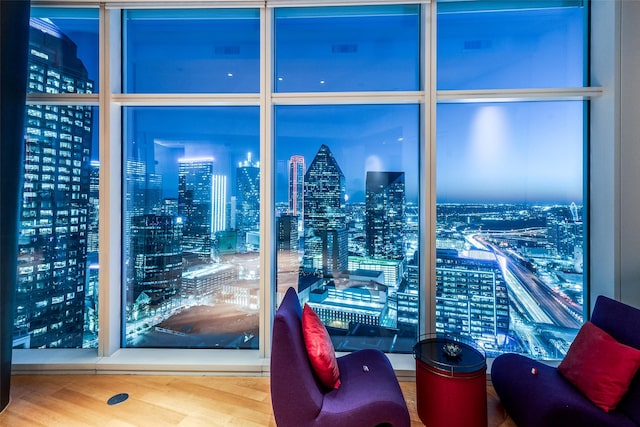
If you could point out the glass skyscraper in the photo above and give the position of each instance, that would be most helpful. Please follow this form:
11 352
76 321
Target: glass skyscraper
385 214
248 202
297 170
52 258
326 240
195 206
471 296
157 260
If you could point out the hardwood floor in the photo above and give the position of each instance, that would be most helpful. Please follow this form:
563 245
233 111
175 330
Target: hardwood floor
156 401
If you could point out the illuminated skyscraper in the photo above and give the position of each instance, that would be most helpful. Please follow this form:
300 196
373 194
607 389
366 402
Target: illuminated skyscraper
287 244
287 233
248 196
471 295
219 197
324 193
157 258
52 257
325 215
385 214
195 205
296 186
94 207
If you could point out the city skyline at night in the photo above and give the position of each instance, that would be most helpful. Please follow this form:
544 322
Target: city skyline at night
346 191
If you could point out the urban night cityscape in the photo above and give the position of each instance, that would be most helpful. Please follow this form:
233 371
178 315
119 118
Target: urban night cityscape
510 227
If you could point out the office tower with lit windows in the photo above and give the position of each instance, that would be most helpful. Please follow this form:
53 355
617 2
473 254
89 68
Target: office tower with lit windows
296 186
324 193
156 254
471 296
93 267
385 200
195 206
409 300
134 185
53 239
94 207
142 190
288 262
248 196
287 233
325 232
219 199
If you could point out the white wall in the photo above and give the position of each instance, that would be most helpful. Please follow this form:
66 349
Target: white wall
630 153
615 152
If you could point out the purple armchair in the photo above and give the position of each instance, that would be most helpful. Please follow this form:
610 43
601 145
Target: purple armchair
548 399
368 396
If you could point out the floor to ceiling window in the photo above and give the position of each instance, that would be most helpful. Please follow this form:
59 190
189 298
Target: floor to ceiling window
510 257
347 176
191 181
308 127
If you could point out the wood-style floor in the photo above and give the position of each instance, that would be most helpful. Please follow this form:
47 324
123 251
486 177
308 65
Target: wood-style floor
156 401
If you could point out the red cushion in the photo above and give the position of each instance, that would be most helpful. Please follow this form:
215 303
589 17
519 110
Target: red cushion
320 349
599 366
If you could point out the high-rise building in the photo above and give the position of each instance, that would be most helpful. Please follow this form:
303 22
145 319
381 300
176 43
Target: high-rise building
324 193
287 245
94 207
296 186
195 206
325 232
409 300
287 233
52 247
471 296
156 254
248 196
219 199
385 201
93 267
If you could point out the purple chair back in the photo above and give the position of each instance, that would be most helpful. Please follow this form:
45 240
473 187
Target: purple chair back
295 395
622 322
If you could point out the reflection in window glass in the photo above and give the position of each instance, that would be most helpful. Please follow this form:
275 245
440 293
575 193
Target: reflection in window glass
63 51
504 49
510 225
347 49
191 227
190 51
347 219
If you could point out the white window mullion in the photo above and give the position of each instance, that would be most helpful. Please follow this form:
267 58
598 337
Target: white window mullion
267 233
110 224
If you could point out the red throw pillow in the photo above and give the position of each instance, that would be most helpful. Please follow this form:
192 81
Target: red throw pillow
320 349
599 366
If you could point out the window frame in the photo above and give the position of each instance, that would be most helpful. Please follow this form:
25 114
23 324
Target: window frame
109 357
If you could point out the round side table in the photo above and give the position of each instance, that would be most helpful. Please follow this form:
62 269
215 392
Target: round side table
451 385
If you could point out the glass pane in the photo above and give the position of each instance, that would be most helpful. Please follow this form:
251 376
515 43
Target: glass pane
347 219
510 225
191 227
63 51
190 51
332 49
57 291
506 49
